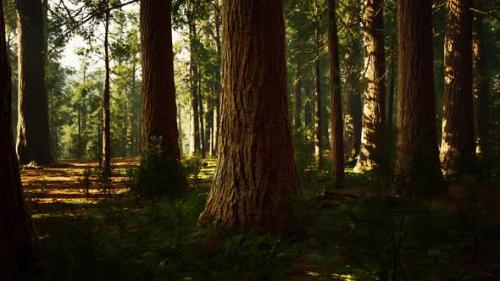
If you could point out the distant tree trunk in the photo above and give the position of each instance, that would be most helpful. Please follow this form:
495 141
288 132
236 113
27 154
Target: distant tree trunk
17 244
319 106
309 105
106 141
482 118
389 107
298 103
352 117
417 161
201 115
193 80
337 128
457 143
256 171
159 108
33 138
373 130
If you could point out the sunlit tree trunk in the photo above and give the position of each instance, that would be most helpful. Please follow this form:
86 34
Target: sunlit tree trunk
256 172
417 161
337 129
373 130
17 244
159 108
106 128
297 122
457 143
33 138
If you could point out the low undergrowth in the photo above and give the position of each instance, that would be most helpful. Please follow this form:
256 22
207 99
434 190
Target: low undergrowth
347 239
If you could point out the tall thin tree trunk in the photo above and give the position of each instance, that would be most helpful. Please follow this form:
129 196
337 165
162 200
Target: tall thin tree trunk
106 141
373 130
298 104
319 106
482 118
337 129
159 108
417 161
33 138
17 242
457 143
352 117
256 172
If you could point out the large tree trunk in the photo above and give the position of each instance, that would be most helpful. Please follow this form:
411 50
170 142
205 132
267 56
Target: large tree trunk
352 117
337 128
482 118
373 131
33 138
106 130
457 143
159 108
417 161
256 171
17 244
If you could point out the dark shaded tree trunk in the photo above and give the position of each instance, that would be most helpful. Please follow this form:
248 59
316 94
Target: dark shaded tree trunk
352 117
337 128
33 137
193 80
159 108
481 93
106 128
17 244
373 130
457 143
256 172
417 161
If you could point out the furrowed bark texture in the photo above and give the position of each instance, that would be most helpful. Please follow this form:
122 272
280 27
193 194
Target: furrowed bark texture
373 130
17 245
458 143
159 108
256 171
417 161
337 128
33 138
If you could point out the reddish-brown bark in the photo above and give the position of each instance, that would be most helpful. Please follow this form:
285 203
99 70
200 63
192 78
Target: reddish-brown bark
417 161
33 138
458 143
17 245
256 172
159 108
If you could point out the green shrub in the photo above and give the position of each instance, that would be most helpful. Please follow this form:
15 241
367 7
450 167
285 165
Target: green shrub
159 174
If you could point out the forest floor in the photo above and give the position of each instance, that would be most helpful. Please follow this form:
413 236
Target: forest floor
90 228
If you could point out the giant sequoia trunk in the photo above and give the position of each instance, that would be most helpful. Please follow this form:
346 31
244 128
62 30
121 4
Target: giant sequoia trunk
17 246
256 172
159 108
33 138
373 131
417 161
337 128
106 127
457 144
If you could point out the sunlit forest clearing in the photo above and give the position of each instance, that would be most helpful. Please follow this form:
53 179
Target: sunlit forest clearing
249 140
